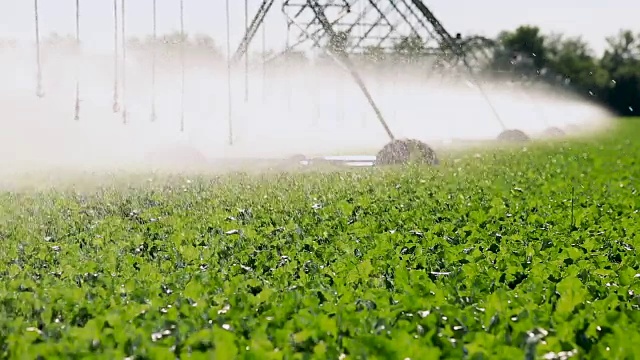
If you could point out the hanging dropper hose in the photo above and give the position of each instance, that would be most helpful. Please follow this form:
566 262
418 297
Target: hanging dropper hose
116 106
246 54
182 65
124 63
153 63
76 114
264 61
229 107
39 91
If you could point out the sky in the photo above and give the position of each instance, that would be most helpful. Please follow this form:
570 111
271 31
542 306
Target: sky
591 19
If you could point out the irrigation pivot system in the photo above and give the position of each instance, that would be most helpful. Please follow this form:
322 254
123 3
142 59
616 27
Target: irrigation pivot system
345 30
347 27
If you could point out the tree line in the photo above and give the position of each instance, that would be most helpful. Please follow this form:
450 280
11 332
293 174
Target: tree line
612 78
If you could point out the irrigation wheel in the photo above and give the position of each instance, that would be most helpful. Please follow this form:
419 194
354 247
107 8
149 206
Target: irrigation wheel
297 158
513 135
406 151
573 129
553 133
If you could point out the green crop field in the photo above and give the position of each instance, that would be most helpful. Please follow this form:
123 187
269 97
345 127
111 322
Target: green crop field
519 253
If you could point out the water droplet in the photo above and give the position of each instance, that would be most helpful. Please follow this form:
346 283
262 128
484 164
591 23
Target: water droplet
613 82
440 273
224 309
591 93
159 335
630 108
33 329
246 268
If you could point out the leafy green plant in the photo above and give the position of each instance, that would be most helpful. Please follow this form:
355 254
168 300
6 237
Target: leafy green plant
508 253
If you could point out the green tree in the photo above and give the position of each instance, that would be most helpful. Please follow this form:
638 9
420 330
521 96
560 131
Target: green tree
574 59
622 61
525 40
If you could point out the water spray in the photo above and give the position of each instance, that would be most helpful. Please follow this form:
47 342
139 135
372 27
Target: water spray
340 56
334 26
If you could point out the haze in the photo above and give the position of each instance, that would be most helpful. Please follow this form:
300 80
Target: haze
300 112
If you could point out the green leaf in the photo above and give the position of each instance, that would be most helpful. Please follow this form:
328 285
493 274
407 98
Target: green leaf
572 293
